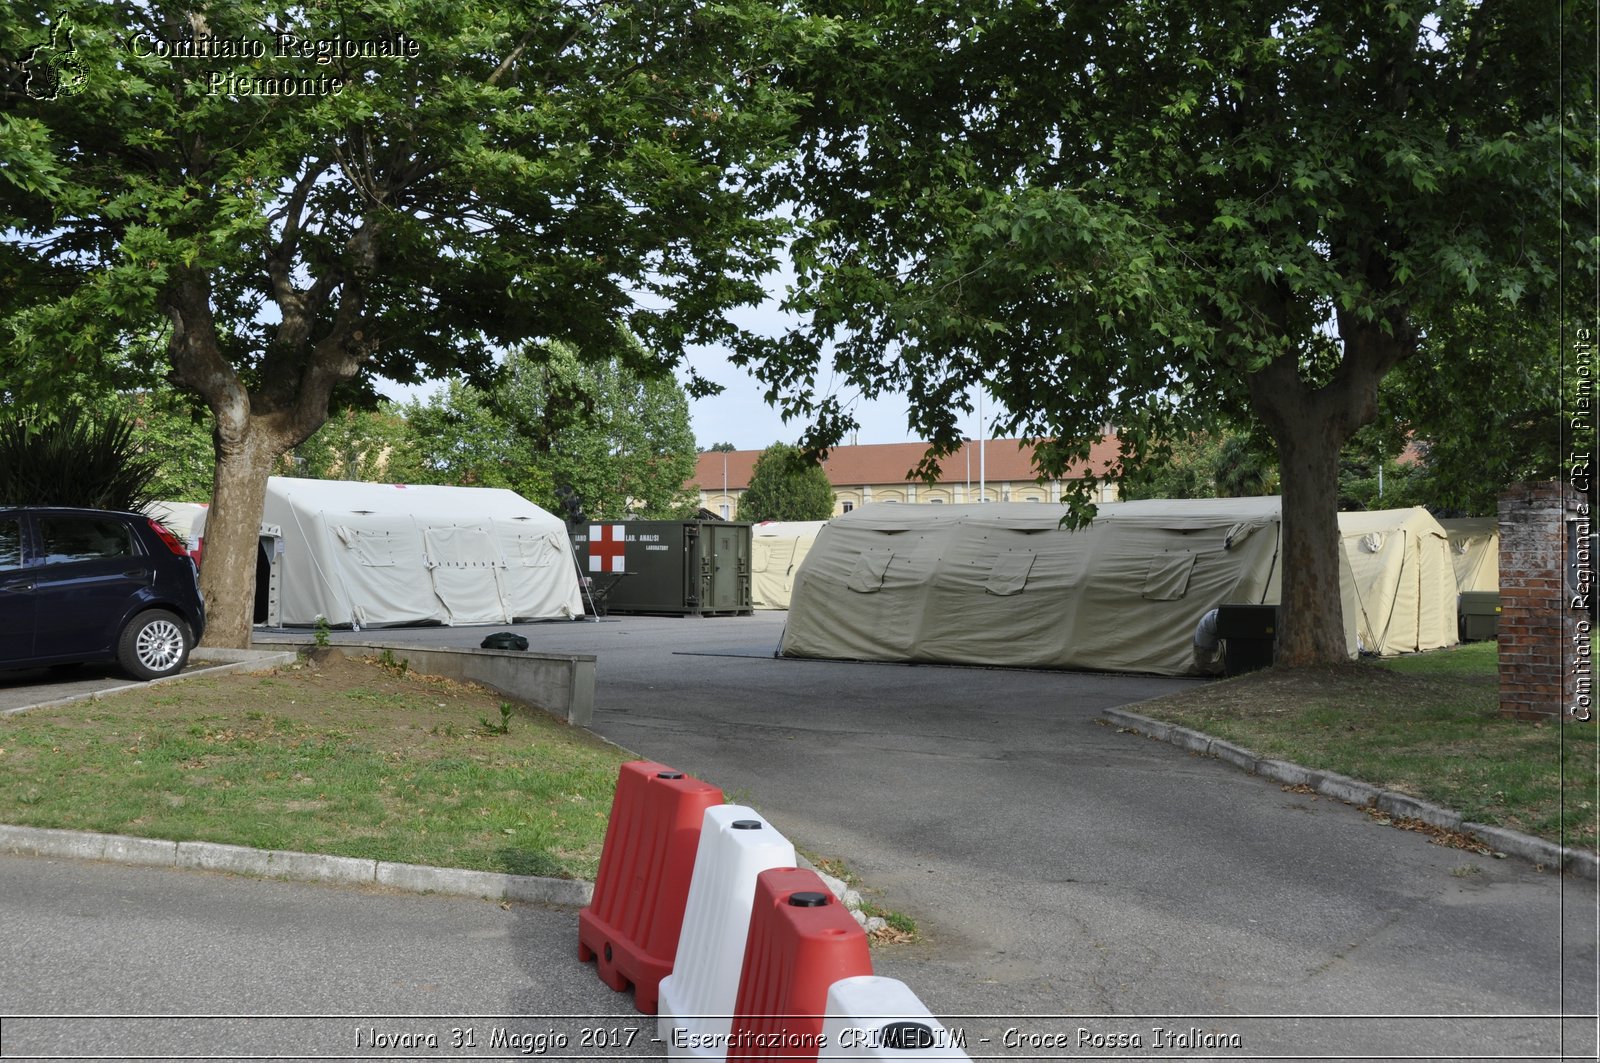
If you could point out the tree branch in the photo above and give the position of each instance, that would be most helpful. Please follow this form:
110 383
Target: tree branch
196 354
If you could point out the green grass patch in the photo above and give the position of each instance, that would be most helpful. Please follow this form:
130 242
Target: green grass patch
1469 659
1426 725
342 757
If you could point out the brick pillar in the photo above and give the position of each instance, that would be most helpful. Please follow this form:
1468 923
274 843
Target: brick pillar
1537 624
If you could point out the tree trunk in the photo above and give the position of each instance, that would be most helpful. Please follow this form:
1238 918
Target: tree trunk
245 457
1311 614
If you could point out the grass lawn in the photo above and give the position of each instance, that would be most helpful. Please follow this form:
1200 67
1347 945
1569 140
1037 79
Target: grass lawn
1424 725
353 758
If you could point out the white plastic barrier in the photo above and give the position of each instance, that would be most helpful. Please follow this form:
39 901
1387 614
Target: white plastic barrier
695 1011
869 1017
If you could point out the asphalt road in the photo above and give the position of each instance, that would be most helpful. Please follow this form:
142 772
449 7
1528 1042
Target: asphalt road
114 962
1076 886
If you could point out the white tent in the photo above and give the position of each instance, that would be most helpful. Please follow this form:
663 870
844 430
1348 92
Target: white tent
181 517
776 549
376 555
1475 552
1004 584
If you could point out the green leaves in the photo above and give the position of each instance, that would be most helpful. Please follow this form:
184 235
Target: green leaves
29 165
786 486
616 438
1181 214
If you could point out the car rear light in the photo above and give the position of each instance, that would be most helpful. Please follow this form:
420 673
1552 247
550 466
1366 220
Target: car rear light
173 542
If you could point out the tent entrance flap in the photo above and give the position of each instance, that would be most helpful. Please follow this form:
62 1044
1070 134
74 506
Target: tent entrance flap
367 571
465 569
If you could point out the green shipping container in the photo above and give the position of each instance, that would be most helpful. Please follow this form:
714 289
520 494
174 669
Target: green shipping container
1479 615
668 567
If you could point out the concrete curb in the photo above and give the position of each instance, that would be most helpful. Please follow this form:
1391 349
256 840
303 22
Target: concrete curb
206 661
1363 795
292 866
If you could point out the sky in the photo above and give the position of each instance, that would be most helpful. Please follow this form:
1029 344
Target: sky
740 415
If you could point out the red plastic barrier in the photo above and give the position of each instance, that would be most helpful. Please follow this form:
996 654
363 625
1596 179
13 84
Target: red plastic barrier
631 926
801 941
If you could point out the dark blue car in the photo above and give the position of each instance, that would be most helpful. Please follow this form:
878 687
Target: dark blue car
82 585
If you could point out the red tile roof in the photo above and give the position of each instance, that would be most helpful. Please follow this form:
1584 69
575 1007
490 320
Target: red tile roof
1003 460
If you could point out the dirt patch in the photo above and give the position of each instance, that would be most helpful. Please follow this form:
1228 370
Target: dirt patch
358 689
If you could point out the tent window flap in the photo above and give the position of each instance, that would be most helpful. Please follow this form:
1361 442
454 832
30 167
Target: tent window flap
1167 579
867 576
375 549
1010 573
535 551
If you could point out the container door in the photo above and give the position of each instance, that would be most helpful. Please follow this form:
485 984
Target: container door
725 566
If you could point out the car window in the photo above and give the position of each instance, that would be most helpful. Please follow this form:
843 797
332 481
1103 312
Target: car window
67 539
10 544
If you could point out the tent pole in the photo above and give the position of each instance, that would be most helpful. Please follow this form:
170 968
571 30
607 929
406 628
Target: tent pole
983 435
583 581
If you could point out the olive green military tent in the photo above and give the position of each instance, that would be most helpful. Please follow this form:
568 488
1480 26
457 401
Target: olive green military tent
1004 584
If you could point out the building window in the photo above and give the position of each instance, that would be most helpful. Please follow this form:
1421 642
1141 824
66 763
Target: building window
848 505
935 501
724 509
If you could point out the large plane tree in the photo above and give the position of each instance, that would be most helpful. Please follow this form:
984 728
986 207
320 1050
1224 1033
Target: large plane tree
294 197
1141 215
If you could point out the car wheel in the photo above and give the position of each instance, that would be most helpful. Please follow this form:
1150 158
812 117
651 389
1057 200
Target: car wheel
155 644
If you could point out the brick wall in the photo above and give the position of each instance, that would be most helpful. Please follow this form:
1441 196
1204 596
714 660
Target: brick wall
1536 624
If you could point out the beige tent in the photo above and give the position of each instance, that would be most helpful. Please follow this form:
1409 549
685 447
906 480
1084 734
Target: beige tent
1475 552
1004 584
777 547
1398 562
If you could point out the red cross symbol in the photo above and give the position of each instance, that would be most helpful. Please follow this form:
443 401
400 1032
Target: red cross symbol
606 542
